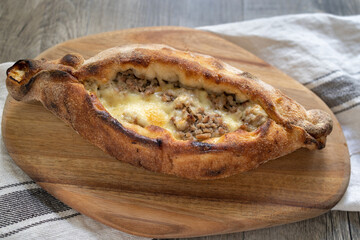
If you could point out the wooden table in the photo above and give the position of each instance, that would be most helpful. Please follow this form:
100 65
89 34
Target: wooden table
29 27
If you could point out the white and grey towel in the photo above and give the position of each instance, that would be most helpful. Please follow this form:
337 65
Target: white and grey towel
319 50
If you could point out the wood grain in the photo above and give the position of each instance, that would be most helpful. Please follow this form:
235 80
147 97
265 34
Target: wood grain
269 8
29 27
301 185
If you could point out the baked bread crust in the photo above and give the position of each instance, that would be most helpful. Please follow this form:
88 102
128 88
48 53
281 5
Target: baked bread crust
59 86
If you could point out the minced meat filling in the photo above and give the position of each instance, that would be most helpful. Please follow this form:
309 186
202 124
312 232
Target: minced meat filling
193 122
190 114
226 102
127 80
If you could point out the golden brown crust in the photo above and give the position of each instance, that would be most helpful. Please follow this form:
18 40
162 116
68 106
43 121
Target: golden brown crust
58 85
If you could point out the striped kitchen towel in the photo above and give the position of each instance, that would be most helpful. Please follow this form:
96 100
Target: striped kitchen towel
319 50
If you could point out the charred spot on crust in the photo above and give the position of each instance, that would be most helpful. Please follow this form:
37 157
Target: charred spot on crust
214 173
53 105
139 61
93 69
264 129
13 79
27 86
207 75
202 146
59 75
159 142
71 60
138 58
25 64
319 143
310 140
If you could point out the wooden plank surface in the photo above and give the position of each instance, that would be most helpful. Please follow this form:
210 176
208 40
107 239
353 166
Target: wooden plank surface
30 27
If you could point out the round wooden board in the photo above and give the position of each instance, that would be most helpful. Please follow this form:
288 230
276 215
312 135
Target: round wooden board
301 185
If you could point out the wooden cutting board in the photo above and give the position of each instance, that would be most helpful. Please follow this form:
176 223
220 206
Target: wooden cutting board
301 185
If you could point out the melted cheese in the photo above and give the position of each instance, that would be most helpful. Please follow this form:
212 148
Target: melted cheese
151 110
17 74
134 107
143 110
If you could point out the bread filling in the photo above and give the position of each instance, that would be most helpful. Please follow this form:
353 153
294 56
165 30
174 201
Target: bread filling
187 113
